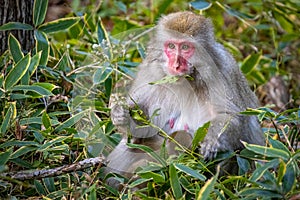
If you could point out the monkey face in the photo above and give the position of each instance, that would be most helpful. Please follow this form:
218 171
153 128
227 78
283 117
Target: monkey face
178 53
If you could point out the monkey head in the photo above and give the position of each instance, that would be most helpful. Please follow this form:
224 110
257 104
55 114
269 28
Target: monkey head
181 36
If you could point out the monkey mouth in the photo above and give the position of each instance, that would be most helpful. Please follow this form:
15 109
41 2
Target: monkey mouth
181 70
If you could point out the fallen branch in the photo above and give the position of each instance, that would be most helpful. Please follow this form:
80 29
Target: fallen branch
39 174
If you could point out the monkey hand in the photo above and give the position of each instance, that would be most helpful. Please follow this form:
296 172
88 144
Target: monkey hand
209 149
119 112
212 145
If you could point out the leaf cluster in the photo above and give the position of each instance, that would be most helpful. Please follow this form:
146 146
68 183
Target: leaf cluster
54 102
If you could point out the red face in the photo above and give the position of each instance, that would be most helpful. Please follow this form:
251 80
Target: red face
178 53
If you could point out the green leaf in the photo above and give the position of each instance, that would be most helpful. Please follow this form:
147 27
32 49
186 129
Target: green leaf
17 72
278 145
46 120
35 60
149 151
200 5
15 26
6 121
207 188
55 141
257 193
39 188
139 181
102 34
244 165
71 121
268 151
175 185
36 120
199 135
47 86
42 45
5 156
15 48
59 25
250 62
39 11
166 79
18 143
260 171
252 111
257 76
156 177
33 88
23 163
281 171
49 184
190 171
289 178
101 75
162 7
31 69
21 151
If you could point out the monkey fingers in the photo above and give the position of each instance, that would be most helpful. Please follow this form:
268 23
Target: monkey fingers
209 149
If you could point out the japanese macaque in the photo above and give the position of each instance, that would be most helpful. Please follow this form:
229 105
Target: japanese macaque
186 80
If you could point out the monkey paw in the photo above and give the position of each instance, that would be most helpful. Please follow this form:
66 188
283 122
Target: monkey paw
120 116
209 149
119 113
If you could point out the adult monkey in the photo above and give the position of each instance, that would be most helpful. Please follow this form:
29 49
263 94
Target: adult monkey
206 85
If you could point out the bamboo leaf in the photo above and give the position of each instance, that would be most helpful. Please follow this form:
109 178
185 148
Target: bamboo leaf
39 11
19 143
156 177
46 120
199 135
33 88
17 72
35 60
11 114
207 188
15 26
102 34
47 86
71 121
258 193
6 121
190 171
21 151
260 171
175 185
15 48
102 75
39 188
268 151
59 25
149 151
55 141
42 45
5 156
250 62
49 184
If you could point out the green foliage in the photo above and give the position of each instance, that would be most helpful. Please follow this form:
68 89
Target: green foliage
54 101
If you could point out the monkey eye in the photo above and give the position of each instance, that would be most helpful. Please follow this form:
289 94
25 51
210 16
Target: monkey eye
171 46
185 47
